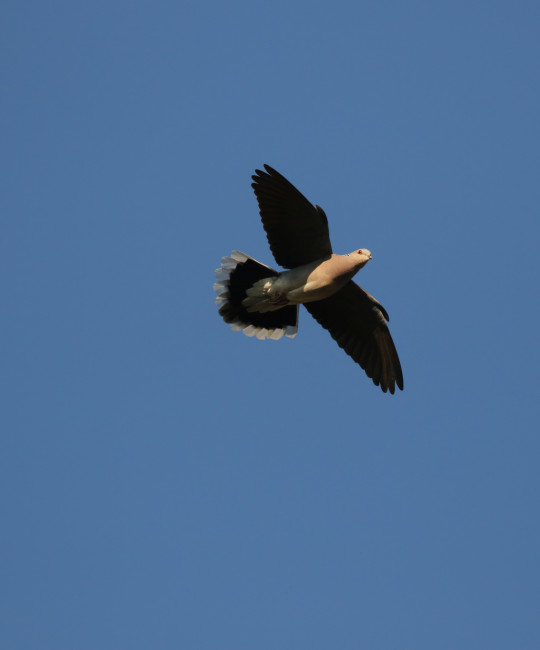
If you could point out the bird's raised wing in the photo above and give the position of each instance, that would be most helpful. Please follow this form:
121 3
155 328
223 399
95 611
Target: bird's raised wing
297 231
358 323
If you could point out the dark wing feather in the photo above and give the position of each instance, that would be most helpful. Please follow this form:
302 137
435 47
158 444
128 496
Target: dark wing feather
297 231
357 322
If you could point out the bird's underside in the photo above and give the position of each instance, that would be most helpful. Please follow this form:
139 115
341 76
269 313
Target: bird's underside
263 302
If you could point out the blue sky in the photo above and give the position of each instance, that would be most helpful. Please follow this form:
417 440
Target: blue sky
168 483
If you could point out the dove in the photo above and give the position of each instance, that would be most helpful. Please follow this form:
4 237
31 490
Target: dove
263 302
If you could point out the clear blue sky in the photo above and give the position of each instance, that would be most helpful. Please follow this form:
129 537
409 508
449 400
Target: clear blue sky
168 483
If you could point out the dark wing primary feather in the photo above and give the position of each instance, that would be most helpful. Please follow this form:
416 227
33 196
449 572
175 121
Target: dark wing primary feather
297 231
357 322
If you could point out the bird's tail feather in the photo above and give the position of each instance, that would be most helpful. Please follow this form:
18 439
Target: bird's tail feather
238 273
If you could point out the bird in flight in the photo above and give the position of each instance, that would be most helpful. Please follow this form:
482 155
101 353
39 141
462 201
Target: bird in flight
262 302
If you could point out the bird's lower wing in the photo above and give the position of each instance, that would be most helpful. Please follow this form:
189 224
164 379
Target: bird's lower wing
356 322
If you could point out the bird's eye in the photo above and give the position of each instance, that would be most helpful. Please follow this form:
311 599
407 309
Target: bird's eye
361 252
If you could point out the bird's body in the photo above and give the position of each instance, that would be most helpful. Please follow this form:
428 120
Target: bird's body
263 302
307 283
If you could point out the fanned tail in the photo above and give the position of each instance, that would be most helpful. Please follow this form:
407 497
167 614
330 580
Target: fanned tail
238 274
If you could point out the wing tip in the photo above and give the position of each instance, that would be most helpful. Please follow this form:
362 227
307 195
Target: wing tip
391 385
268 171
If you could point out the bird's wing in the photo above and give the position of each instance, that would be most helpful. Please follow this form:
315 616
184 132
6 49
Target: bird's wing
297 231
357 322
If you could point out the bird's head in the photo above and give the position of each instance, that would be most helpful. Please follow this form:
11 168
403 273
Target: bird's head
360 257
